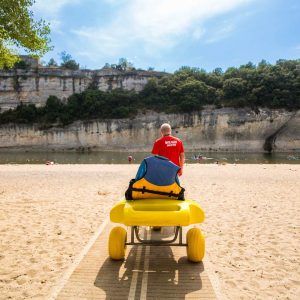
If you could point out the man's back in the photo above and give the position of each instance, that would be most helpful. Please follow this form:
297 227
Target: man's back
169 147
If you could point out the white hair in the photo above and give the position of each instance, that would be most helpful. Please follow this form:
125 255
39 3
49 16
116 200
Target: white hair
165 128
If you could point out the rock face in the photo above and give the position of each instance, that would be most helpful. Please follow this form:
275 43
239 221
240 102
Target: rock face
211 129
35 85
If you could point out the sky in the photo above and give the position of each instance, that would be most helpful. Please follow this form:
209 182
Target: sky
168 34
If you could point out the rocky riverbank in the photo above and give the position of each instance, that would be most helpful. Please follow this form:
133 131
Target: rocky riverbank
225 129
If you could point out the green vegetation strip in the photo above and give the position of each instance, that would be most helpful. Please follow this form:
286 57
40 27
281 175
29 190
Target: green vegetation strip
187 90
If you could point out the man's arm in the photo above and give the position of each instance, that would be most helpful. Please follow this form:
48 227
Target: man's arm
181 159
155 149
181 162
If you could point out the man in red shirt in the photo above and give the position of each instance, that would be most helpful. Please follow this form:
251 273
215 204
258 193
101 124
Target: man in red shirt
169 147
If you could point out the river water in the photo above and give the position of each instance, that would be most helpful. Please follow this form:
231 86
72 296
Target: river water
122 157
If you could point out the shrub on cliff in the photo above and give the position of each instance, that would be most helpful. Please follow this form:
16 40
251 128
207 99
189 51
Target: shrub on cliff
122 65
187 90
26 114
52 63
68 62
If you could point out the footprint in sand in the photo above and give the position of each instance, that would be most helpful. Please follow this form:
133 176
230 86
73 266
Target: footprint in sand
33 260
32 273
59 264
59 258
255 284
230 244
103 193
46 269
232 284
26 295
21 281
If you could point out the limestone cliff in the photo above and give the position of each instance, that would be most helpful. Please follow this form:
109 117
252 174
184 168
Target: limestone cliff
211 129
35 85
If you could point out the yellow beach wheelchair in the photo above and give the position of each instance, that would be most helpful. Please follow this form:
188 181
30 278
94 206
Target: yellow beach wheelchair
157 212
156 199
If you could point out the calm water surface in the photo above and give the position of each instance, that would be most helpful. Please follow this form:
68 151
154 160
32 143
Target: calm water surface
122 157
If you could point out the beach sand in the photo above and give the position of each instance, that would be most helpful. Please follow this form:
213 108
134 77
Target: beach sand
252 226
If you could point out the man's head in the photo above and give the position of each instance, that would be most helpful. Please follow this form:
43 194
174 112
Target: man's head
165 129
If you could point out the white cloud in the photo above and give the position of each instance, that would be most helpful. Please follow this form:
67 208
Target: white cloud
198 33
52 7
114 2
221 33
55 26
50 12
160 18
155 24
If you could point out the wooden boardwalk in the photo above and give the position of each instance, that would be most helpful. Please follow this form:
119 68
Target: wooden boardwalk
147 273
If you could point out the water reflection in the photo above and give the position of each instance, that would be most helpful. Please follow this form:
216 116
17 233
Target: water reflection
122 157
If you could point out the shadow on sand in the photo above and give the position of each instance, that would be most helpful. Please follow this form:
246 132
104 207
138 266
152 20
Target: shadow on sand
169 275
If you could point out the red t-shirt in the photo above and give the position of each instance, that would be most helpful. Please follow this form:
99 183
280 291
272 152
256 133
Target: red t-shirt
169 147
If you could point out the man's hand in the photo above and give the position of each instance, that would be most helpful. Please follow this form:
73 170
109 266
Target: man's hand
180 172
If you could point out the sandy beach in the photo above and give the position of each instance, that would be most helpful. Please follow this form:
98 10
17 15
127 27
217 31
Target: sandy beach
252 227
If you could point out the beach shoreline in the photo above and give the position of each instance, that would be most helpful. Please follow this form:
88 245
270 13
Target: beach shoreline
49 213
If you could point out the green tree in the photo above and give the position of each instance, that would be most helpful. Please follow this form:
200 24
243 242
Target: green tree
218 71
21 65
125 65
106 66
68 62
193 89
262 64
53 104
234 87
19 29
52 63
187 90
150 88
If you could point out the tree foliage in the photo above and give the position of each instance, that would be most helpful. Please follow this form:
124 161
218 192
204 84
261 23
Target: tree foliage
18 29
122 65
68 62
187 90
52 63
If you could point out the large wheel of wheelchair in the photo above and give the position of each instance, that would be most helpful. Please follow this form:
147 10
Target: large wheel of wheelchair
195 245
116 243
